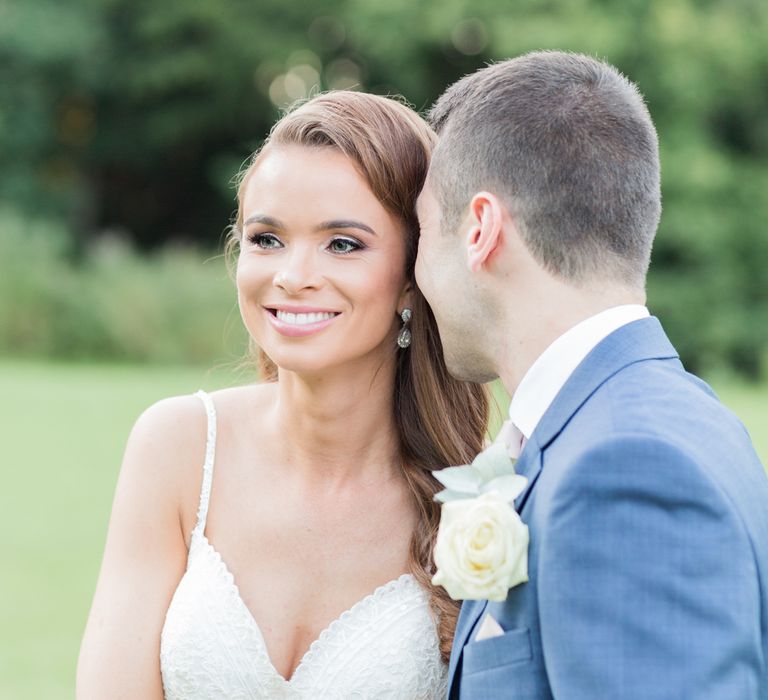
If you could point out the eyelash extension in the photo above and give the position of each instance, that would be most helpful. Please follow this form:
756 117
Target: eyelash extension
254 239
257 239
357 245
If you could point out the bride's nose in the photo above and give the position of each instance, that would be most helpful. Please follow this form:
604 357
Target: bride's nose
299 271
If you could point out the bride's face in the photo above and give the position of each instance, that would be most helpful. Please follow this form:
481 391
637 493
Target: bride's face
320 274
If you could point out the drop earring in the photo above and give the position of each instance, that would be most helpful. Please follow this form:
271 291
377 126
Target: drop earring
404 336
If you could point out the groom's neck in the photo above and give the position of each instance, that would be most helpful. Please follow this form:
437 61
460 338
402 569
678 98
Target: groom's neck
533 324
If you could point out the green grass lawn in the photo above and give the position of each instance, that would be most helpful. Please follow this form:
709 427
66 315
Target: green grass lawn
63 429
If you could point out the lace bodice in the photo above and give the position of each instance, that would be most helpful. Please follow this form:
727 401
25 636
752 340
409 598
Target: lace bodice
384 646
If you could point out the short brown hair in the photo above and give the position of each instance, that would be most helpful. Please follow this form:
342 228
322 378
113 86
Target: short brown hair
441 421
568 143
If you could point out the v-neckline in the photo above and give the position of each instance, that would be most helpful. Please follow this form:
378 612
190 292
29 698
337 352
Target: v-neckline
324 633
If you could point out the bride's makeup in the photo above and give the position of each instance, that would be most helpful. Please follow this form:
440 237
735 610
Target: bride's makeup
321 269
300 321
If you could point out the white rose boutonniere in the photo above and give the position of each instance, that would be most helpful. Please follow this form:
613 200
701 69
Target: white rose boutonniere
482 544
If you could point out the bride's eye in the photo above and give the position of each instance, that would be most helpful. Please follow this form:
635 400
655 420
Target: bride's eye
343 246
266 241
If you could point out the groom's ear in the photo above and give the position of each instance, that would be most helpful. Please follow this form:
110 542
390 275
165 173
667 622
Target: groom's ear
406 297
485 233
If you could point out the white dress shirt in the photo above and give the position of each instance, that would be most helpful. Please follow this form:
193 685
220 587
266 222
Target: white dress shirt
554 366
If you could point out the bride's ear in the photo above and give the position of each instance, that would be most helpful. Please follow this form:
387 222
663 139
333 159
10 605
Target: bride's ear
485 229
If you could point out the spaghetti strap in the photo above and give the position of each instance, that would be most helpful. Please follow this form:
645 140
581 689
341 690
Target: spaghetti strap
210 452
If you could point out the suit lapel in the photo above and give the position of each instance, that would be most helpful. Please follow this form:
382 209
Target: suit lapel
470 613
637 341
529 466
634 342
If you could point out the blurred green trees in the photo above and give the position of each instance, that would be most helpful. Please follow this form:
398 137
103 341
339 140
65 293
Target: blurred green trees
130 118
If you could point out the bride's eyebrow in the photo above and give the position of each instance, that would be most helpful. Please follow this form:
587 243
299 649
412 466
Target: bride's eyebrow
344 223
263 219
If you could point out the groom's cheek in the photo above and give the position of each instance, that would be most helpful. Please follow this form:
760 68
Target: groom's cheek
425 278
418 268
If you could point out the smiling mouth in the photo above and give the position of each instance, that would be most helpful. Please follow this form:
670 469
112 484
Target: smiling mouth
302 319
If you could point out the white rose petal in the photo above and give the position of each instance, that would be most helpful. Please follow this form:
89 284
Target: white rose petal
481 549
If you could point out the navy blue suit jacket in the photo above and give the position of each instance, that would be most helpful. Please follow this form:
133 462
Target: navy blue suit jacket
648 559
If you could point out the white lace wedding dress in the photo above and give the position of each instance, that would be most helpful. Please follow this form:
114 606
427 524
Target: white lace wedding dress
384 646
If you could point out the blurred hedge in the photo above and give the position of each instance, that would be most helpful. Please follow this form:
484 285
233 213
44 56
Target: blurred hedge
133 115
111 302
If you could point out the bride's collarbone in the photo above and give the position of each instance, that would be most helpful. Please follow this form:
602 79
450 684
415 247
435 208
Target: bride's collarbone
302 560
265 497
278 534
301 544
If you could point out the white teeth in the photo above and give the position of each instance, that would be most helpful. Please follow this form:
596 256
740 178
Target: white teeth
302 319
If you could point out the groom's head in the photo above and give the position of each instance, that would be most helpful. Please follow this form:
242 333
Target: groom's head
546 171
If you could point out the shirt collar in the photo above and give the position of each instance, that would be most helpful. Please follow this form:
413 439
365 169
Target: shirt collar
554 366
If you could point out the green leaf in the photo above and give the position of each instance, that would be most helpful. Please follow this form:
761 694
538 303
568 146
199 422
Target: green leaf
448 495
494 462
465 479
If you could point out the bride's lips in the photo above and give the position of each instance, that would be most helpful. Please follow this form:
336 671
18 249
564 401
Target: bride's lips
292 321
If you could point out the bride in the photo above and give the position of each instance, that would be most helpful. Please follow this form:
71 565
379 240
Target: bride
275 540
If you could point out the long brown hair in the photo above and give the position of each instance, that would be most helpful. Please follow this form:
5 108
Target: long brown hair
440 421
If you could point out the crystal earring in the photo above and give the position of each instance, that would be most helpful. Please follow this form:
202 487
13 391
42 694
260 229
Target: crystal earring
404 336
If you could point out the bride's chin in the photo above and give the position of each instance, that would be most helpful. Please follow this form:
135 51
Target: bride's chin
308 365
328 358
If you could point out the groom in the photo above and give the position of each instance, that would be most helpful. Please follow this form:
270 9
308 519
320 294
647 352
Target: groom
646 504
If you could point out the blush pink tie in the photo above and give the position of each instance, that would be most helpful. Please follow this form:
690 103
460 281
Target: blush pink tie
512 437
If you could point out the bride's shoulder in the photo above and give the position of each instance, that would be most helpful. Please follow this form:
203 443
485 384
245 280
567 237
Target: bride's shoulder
243 393
180 422
171 434
172 420
168 435
164 451
242 402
